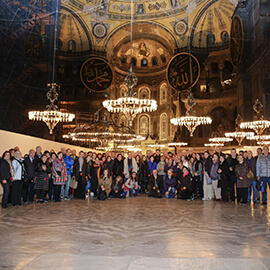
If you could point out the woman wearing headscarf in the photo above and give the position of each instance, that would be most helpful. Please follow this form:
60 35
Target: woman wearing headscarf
7 173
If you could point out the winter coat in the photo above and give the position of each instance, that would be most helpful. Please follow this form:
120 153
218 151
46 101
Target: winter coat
152 166
118 167
207 165
30 167
5 173
169 183
263 166
107 183
224 174
76 170
69 163
42 178
127 170
213 174
241 170
161 167
252 167
159 181
59 172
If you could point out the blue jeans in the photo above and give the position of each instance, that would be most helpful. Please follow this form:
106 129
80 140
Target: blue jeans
264 193
88 185
171 193
134 191
66 186
253 187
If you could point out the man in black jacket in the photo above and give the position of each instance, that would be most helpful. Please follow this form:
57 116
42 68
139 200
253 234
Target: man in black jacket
232 161
155 185
30 164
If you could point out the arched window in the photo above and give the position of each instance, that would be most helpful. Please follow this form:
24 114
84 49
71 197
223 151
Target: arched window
210 39
144 92
144 122
144 62
224 36
154 61
163 58
72 46
163 93
133 61
123 120
123 90
163 126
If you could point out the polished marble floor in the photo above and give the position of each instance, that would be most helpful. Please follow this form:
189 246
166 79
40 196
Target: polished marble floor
135 233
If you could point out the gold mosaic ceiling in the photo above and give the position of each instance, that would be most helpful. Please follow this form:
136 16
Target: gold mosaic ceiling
175 23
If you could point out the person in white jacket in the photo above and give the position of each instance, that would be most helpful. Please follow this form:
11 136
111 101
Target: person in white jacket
17 181
130 165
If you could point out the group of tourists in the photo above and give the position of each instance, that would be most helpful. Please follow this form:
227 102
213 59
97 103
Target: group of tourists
50 176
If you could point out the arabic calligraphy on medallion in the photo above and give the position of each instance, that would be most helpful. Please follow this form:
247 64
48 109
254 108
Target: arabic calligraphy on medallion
183 71
96 74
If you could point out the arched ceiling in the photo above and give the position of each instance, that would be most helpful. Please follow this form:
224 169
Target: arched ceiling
176 22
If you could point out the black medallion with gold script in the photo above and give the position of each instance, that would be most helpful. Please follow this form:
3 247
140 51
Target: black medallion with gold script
237 40
96 74
183 71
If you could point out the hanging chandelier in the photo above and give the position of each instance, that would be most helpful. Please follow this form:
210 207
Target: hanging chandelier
259 124
52 116
103 132
130 104
213 144
237 134
191 121
177 144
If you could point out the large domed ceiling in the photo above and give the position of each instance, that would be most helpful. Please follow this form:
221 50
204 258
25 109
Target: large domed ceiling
161 27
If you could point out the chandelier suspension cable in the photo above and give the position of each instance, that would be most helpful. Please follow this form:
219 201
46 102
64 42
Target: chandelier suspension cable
54 40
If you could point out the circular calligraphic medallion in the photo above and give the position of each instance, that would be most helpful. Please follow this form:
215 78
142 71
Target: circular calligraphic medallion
99 30
180 28
237 40
183 71
96 74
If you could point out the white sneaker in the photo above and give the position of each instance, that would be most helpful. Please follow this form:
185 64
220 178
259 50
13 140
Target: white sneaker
86 196
92 194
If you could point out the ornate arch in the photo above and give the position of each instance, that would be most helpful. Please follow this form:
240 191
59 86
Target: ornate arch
163 93
144 92
144 124
163 126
